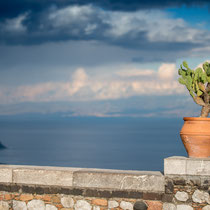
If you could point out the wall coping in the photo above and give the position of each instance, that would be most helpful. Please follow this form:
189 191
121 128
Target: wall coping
148 181
178 165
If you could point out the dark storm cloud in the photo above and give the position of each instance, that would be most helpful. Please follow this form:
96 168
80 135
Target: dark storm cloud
12 8
132 5
25 22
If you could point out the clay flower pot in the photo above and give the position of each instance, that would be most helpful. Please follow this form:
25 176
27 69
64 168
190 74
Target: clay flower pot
195 135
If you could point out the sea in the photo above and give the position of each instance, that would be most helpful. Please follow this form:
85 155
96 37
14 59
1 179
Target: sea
91 142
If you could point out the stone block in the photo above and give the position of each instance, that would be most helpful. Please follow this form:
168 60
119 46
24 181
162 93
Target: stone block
4 205
96 208
198 166
67 202
184 207
26 197
175 165
36 205
154 205
169 186
17 205
100 202
126 205
7 197
112 204
187 166
181 196
82 205
43 176
5 174
169 206
125 180
140 205
168 198
51 207
152 196
201 197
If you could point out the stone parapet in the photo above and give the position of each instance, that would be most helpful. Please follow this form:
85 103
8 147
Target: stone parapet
84 178
185 186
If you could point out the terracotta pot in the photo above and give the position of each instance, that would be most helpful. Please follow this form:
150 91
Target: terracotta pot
195 135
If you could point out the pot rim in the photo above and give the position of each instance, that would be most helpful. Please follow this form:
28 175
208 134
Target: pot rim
196 119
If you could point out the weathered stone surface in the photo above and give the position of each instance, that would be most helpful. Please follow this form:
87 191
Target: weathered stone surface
187 166
154 205
167 198
5 174
51 207
4 205
181 196
43 176
67 202
200 197
126 205
206 207
82 205
184 207
112 204
99 202
55 199
7 196
58 176
175 165
96 208
46 198
36 205
197 166
26 197
169 206
66 209
205 181
140 205
19 205
169 187
135 180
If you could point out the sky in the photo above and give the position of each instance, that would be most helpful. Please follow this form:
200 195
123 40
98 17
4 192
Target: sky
104 58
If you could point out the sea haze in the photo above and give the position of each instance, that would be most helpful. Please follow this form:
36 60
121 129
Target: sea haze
90 142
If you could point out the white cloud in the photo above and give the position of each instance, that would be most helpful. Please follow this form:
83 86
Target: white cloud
90 28
70 14
79 80
167 71
15 24
156 25
201 64
135 72
83 87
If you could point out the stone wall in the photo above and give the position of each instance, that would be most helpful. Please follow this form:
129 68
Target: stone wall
185 185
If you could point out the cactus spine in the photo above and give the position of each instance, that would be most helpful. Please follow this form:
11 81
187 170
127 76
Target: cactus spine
198 84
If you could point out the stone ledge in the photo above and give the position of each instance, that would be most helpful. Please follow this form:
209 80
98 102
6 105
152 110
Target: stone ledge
126 180
83 178
187 166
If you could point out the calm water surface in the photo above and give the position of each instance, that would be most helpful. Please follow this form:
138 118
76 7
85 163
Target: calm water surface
114 143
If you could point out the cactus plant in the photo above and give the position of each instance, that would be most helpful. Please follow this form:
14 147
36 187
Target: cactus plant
198 84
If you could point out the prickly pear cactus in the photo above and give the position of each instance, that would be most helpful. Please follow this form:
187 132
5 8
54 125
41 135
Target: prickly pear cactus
198 84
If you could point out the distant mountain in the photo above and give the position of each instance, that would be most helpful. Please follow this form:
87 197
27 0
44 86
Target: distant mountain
2 146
